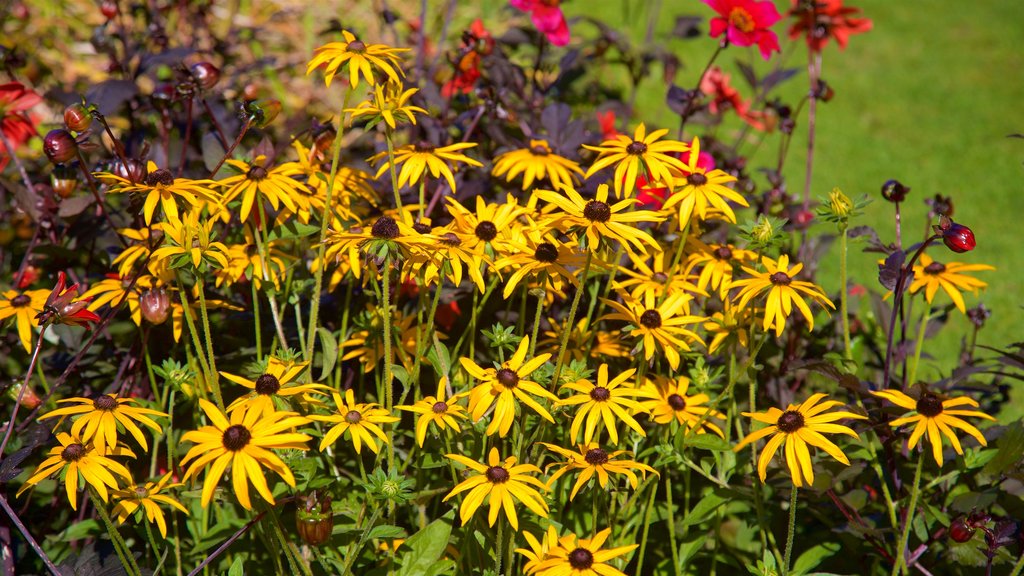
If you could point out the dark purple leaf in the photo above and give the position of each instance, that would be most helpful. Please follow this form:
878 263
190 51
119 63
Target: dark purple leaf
109 95
688 27
748 73
777 77
889 272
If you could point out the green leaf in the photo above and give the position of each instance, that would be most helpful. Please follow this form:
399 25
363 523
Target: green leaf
1010 450
399 373
439 358
386 531
707 505
424 548
330 346
707 442
291 230
810 559
81 530
237 567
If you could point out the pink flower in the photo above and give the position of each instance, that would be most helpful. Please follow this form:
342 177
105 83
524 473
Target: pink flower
547 16
17 127
746 23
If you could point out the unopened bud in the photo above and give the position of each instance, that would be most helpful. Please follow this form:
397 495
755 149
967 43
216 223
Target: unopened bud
60 146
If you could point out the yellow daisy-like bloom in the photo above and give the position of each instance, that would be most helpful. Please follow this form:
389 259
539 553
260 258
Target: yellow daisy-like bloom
731 326
539 548
668 402
451 257
604 402
503 386
931 275
489 225
703 192
100 416
255 181
544 258
147 497
501 483
717 263
641 152
75 458
437 410
599 220
783 292
592 460
192 240
659 326
161 187
417 159
800 426
932 414
23 307
350 184
584 341
137 250
535 163
276 382
245 442
359 420
654 274
576 556
246 263
385 236
360 58
388 103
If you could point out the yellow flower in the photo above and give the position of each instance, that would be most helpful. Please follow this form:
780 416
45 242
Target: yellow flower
99 419
360 58
137 250
576 556
669 402
502 483
932 414
417 159
800 426
489 225
450 256
367 344
539 549
23 306
783 292
931 275
276 382
717 263
631 155
655 275
245 442
359 420
536 163
703 192
545 258
349 184
75 457
659 326
387 104
436 410
147 497
729 327
503 386
161 187
254 181
385 236
600 220
246 263
191 241
584 341
592 460
604 402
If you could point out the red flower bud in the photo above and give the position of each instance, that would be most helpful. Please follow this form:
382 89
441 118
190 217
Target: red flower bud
60 146
960 530
314 520
64 180
958 238
77 117
205 74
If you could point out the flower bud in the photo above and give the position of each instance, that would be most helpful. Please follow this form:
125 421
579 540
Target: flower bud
155 306
960 531
894 191
263 111
29 399
77 117
64 180
109 9
134 171
956 237
205 74
314 519
839 204
60 146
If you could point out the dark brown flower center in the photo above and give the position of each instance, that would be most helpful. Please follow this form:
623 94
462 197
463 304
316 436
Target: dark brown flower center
539 150
141 493
486 231
421 228
385 227
935 268
597 211
546 252
600 394
236 437
780 279
160 176
497 475
596 457
356 46
450 239
20 301
929 405
636 148
256 172
104 403
423 146
651 319
439 407
267 384
790 421
507 378
581 559
72 453
353 417
723 253
696 179
660 277
677 402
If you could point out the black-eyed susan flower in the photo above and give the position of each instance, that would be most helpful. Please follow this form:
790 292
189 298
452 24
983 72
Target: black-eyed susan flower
667 402
450 256
160 187
938 417
417 159
729 327
576 556
631 155
255 181
703 192
503 386
606 402
591 460
538 550
245 263
443 412
137 251
243 439
361 60
501 483
147 497
930 275
799 426
783 292
584 341
654 274
660 327
277 383
489 224
350 185
535 163
385 237
190 240
97 419
543 258
388 104
717 263
76 458
360 420
23 307
598 220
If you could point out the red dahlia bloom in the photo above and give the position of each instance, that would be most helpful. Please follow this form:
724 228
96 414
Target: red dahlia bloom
547 16
17 127
820 20
716 85
746 23
62 307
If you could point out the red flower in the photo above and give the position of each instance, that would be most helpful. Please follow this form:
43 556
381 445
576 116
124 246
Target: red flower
16 126
447 314
606 120
746 23
820 20
62 308
715 84
476 42
547 16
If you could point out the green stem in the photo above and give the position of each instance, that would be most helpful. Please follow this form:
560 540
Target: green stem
647 528
258 324
425 331
262 245
1018 566
193 333
570 322
541 294
214 375
790 531
671 523
389 394
918 347
123 552
150 538
908 520
844 293
500 543
393 171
